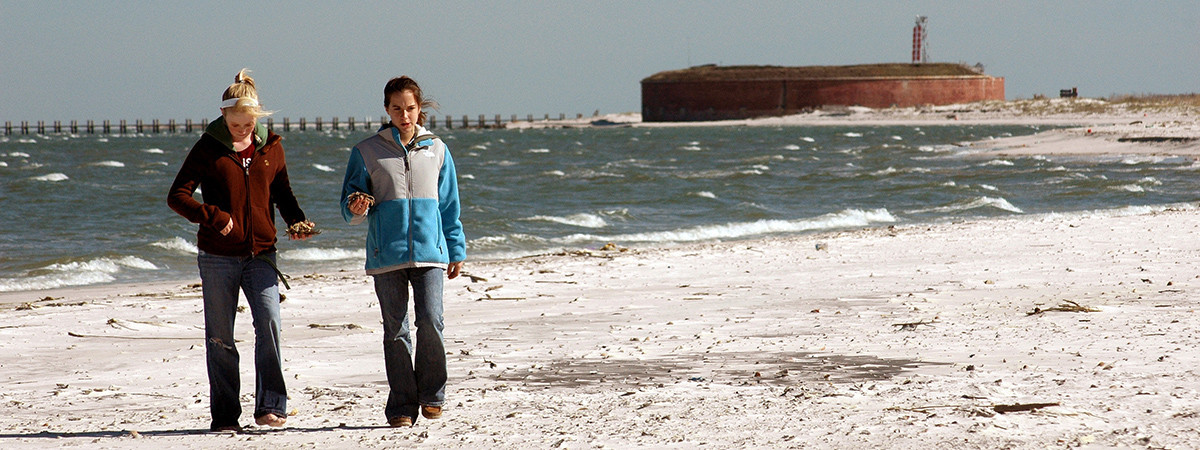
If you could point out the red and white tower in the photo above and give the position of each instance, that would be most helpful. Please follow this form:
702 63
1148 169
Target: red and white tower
920 53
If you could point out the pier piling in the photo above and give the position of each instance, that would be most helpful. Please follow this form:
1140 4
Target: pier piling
189 126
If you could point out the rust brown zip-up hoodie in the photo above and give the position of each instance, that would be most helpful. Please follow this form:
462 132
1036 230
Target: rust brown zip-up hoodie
249 196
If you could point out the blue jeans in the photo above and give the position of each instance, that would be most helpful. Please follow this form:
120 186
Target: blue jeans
221 277
420 380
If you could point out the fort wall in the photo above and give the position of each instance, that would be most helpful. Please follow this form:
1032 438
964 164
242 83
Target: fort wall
725 98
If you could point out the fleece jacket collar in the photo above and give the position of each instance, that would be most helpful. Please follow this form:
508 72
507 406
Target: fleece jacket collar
421 135
218 130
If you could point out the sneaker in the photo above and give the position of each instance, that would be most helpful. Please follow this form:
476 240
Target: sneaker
431 412
402 421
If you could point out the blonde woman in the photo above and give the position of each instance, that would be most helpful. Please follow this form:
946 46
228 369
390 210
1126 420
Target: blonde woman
240 168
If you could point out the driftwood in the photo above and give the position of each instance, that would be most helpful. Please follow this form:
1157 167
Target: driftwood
498 298
340 326
1019 407
1066 306
80 335
1002 409
914 325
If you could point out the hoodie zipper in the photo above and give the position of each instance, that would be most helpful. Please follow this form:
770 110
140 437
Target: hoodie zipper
246 219
408 178
249 219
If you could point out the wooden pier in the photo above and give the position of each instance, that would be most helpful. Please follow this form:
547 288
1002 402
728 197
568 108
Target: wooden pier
156 126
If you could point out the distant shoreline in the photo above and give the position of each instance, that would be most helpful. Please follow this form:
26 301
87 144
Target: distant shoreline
1088 127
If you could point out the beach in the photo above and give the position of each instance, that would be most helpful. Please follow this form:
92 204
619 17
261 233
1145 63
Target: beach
1029 331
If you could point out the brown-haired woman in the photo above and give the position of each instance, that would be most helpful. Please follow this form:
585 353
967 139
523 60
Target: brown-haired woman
402 182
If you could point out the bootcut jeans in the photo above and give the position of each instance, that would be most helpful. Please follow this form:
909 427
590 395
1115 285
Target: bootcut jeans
221 277
421 380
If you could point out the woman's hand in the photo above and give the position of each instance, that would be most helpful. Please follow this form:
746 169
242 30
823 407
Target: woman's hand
454 269
359 202
228 228
302 230
359 206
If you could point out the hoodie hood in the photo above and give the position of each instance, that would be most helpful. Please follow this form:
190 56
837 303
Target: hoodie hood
220 131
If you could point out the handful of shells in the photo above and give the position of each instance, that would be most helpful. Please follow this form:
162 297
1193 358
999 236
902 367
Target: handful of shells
357 195
303 229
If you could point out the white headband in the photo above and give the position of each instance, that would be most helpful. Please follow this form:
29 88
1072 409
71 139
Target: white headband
234 101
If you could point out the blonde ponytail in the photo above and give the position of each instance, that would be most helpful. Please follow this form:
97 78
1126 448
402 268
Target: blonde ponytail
246 95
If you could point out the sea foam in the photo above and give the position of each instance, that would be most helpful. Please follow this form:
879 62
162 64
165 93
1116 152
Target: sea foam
99 270
322 254
843 219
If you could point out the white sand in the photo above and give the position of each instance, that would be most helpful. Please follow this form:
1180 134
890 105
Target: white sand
954 335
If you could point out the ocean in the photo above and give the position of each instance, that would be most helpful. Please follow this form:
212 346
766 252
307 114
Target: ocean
83 209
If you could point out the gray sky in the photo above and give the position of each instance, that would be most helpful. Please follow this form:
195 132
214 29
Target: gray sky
164 60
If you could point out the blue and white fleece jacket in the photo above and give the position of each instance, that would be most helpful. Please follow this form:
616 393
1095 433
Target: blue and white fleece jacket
414 222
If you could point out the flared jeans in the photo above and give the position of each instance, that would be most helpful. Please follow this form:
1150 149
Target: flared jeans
222 277
416 374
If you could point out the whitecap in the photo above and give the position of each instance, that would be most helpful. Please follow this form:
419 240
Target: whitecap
1129 188
579 220
897 138
705 194
19 155
999 162
888 171
467 176
691 148
53 281
791 147
322 254
178 245
555 173
156 151
52 177
99 270
108 164
852 134
808 139
975 203
322 167
988 187
538 150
